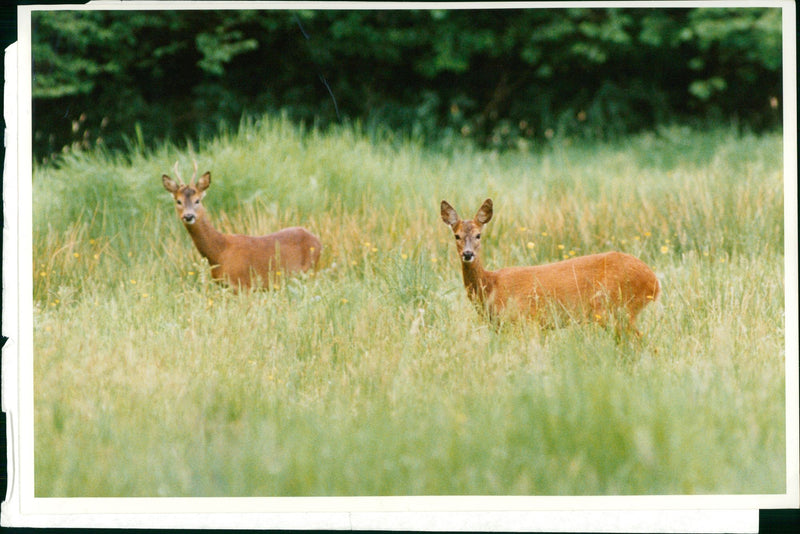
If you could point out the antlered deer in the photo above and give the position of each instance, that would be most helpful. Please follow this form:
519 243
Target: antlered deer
587 287
240 260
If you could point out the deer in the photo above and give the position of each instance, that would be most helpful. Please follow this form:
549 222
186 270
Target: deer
594 287
241 261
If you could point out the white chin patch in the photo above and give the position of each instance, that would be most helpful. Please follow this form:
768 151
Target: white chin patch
469 260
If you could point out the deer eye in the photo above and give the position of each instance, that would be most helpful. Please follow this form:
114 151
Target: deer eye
458 237
478 236
196 202
179 203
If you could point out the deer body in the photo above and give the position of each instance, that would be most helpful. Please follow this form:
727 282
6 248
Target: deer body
240 260
586 287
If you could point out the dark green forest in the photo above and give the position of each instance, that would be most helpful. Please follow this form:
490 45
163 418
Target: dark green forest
499 78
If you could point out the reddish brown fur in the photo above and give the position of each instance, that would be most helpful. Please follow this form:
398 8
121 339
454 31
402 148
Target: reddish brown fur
590 287
240 260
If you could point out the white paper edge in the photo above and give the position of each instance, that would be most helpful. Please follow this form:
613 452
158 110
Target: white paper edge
728 513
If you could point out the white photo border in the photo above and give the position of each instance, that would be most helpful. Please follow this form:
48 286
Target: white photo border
670 513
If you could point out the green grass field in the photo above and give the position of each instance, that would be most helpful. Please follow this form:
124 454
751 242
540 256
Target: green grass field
375 376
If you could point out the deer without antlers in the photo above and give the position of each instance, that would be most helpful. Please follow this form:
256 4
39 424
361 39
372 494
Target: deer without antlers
240 260
586 287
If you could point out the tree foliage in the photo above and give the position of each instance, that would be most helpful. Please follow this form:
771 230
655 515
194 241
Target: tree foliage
499 77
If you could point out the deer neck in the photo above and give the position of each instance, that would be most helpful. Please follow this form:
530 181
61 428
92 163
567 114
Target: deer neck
477 281
209 242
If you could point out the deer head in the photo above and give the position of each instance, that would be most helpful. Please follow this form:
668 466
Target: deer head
467 233
187 197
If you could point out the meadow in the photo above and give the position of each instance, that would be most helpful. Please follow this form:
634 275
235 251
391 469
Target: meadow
375 375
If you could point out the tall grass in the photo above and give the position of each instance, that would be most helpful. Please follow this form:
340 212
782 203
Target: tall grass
375 376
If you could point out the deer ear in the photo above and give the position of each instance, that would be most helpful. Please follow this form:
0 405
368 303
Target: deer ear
449 215
204 182
484 214
169 183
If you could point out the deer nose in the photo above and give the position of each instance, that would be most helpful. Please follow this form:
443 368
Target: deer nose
467 256
188 218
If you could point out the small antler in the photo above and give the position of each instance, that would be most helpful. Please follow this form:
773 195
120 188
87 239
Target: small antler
194 175
177 174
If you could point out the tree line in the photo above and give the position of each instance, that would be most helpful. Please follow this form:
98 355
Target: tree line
497 77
